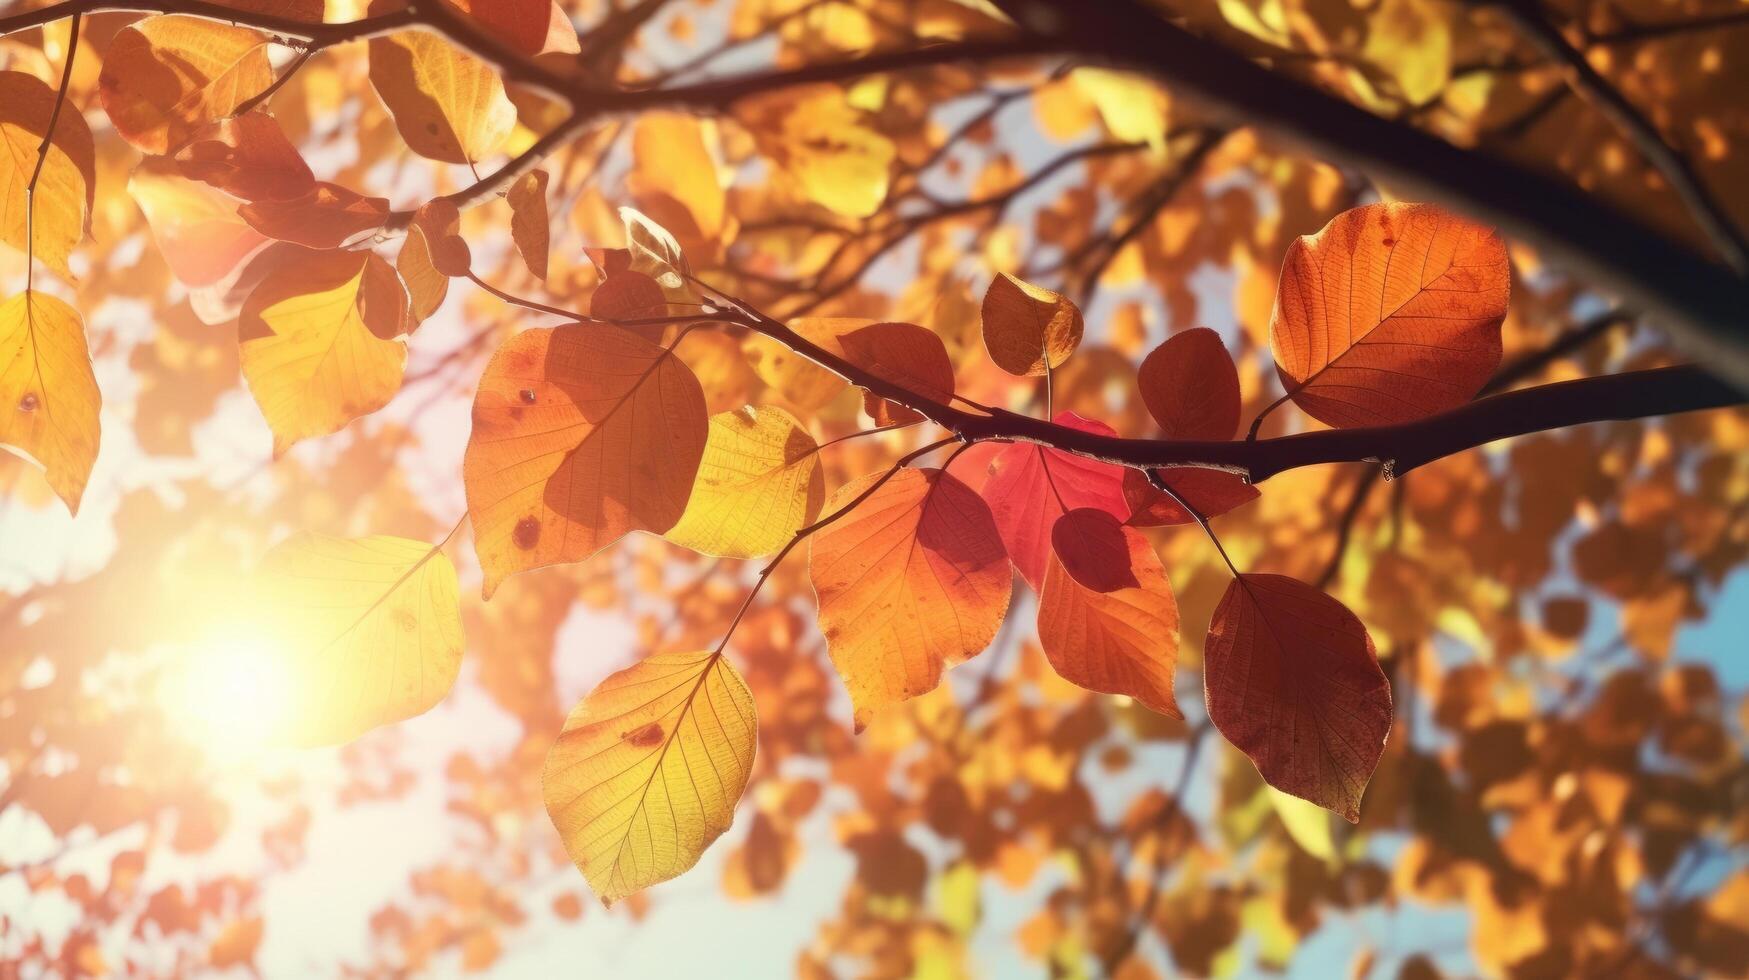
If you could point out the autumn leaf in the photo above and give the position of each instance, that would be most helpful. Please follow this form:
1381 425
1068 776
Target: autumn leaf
906 355
759 483
318 347
627 295
1389 314
674 179
530 26
1107 619
912 581
800 381
1291 679
827 146
1191 387
63 195
1032 486
195 225
648 769
328 216
448 104
1028 328
378 631
431 253
528 220
165 77
1210 492
48 393
247 156
581 435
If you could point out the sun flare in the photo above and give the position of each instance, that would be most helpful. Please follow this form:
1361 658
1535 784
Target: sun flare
232 692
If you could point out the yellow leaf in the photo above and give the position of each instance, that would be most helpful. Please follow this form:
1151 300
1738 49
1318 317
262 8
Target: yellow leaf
165 77
376 631
1026 325
801 382
48 394
648 769
1266 20
448 105
1133 107
62 199
581 435
1306 822
759 483
912 581
840 161
317 349
1410 40
674 178
528 220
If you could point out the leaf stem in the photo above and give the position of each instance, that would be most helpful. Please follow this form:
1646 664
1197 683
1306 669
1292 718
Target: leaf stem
1161 485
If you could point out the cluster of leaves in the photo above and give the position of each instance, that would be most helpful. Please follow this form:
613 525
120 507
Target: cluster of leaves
674 408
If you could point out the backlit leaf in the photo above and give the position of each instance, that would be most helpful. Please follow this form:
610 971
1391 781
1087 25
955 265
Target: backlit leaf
528 220
1191 387
912 581
63 195
1291 679
1306 822
247 156
1391 313
48 393
373 631
581 435
758 484
648 770
1032 486
165 77
1026 325
674 179
530 26
431 253
906 355
318 342
1133 107
196 226
448 105
827 146
1211 492
1107 619
328 216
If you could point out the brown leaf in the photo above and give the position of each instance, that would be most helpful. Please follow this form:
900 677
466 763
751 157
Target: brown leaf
1026 326
1191 387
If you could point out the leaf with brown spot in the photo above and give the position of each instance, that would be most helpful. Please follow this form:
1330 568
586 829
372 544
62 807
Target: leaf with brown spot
912 581
1291 679
528 220
48 394
1191 386
1107 619
1391 313
648 769
1027 327
448 104
581 435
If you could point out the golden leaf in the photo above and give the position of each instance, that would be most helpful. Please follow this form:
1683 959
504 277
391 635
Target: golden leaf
1024 325
165 77
448 105
62 199
379 627
528 220
318 348
758 484
648 769
48 394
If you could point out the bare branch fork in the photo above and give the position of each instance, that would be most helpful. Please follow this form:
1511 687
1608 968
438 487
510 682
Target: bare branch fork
1699 301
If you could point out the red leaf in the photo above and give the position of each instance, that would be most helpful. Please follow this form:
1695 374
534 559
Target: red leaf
329 216
1211 492
1031 486
1291 679
906 355
1191 387
247 156
1107 619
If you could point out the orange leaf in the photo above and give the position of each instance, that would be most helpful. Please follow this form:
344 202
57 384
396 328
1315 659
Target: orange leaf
581 435
528 220
1107 619
1391 313
165 77
905 354
1031 486
1191 387
448 104
1026 326
627 295
329 216
196 226
1291 679
431 253
249 157
531 26
1211 492
912 581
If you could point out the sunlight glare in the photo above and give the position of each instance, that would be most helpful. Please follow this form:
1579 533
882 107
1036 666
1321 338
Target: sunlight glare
231 693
